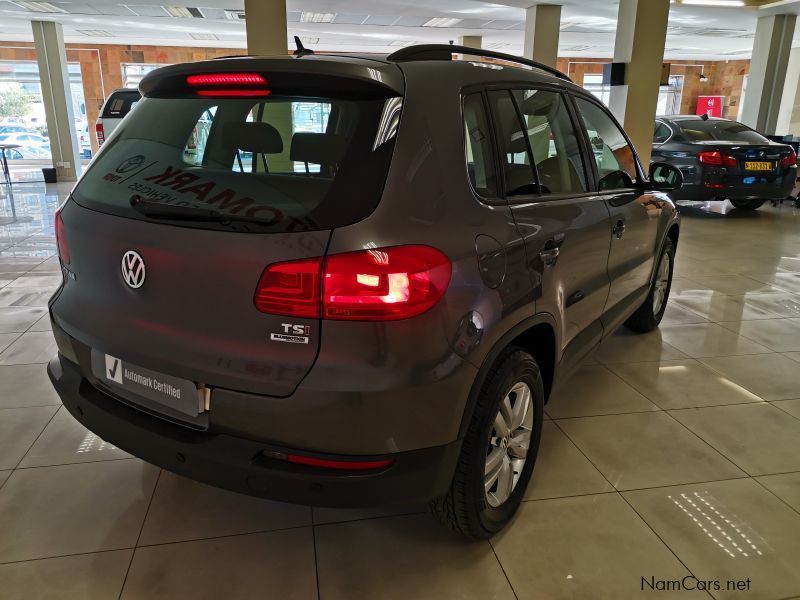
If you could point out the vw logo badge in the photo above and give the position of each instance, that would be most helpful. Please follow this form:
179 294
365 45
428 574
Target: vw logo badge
133 269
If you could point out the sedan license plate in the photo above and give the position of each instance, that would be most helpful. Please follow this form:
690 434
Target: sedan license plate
758 166
148 387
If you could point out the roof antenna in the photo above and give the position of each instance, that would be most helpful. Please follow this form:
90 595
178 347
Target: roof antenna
301 50
704 116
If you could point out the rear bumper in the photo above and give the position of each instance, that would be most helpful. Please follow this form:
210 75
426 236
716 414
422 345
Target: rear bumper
778 189
245 465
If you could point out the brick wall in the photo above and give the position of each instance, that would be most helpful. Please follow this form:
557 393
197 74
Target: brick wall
725 78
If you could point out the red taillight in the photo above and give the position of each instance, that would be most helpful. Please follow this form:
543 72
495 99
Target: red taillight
226 79
382 284
101 134
717 159
61 238
233 93
344 465
290 288
789 161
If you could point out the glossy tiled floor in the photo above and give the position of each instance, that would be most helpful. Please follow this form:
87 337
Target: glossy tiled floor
670 453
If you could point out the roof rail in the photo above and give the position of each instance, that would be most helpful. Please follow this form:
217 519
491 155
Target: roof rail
446 51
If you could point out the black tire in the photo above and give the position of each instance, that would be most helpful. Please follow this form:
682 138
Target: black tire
646 318
464 508
748 204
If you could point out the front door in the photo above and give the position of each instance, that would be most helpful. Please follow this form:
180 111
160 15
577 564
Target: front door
634 213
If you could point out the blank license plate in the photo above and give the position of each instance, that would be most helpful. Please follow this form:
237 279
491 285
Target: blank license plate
134 382
758 166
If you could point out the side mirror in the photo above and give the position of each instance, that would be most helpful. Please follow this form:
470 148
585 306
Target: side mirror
665 177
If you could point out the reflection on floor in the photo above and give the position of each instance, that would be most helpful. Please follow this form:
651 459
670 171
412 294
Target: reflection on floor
670 453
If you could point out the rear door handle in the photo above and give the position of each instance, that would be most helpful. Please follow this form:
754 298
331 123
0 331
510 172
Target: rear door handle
619 229
552 248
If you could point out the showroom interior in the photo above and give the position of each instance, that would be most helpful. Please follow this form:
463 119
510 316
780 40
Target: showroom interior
669 461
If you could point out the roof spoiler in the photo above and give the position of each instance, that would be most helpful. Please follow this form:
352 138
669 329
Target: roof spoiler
446 51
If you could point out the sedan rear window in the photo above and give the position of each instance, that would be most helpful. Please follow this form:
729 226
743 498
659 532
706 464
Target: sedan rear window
120 104
698 130
276 164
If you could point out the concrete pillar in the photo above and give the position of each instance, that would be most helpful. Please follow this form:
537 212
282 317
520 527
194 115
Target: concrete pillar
267 35
542 28
641 35
789 115
266 27
48 39
471 41
768 68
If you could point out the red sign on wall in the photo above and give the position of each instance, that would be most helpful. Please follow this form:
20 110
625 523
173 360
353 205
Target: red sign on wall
710 105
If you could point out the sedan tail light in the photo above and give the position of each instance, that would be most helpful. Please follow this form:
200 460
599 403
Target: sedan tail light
101 134
61 239
717 159
789 161
381 284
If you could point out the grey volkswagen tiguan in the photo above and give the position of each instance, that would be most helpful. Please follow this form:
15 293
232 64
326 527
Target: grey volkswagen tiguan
352 281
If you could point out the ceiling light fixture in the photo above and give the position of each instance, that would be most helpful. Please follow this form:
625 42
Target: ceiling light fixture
721 3
204 36
316 17
441 22
44 7
95 32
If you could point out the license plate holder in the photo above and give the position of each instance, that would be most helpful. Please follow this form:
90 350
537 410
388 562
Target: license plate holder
151 389
758 165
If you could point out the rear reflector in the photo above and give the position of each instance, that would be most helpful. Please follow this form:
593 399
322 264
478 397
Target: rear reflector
226 79
61 239
381 284
717 159
342 465
101 134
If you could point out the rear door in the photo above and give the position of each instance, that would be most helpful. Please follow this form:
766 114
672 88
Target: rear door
634 214
565 226
279 171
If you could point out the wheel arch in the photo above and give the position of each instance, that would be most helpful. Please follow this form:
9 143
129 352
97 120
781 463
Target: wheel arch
536 335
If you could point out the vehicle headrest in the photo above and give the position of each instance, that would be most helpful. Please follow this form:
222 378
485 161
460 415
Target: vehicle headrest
256 137
317 148
518 143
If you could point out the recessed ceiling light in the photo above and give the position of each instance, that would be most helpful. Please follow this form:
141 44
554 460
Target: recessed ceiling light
309 40
316 17
45 7
204 36
441 22
95 32
183 12
726 3
400 43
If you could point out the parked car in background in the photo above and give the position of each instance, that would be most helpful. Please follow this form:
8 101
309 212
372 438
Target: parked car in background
724 160
114 109
27 153
7 129
28 138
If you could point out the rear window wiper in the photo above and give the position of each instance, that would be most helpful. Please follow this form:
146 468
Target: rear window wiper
157 210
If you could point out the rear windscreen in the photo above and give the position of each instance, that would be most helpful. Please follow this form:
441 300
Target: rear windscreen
720 131
120 104
277 164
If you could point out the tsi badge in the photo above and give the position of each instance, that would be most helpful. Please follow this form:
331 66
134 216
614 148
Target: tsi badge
292 334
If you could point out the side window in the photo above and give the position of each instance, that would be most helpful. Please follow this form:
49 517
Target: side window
518 173
661 133
480 159
616 162
553 141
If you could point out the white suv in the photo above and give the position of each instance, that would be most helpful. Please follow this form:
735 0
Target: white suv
116 106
